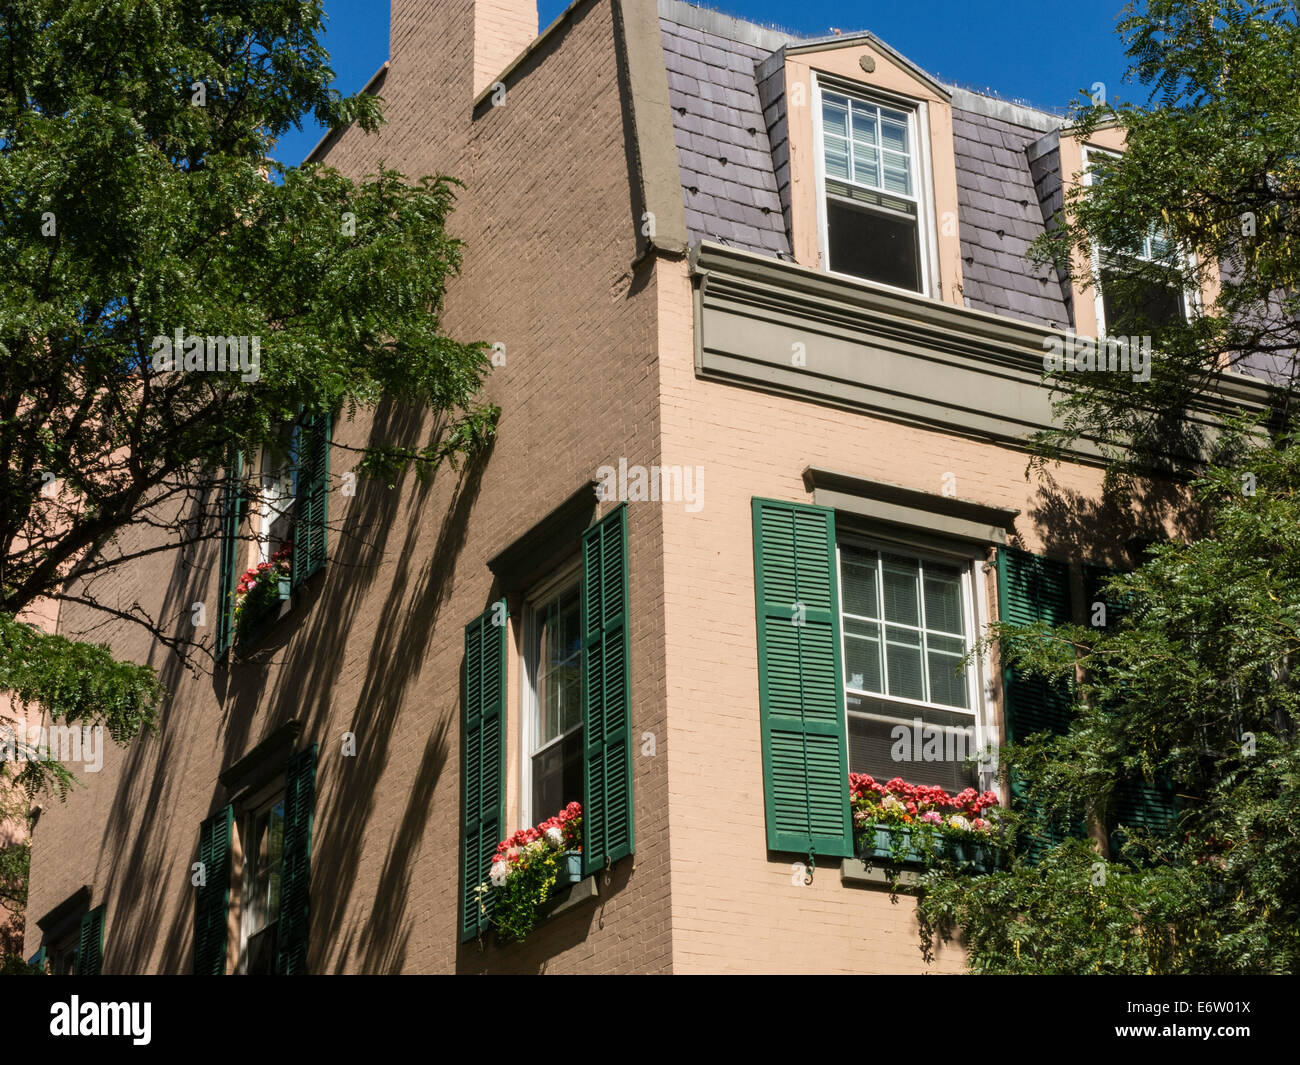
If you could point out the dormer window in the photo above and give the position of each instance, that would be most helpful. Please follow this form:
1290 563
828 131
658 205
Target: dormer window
1126 305
873 211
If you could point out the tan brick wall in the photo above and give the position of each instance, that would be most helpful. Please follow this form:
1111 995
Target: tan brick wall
734 910
377 650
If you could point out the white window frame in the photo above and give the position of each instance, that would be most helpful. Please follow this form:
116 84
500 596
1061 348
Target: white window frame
975 616
919 131
263 801
562 581
1191 297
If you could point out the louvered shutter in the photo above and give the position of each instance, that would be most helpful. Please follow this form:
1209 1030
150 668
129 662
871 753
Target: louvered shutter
607 813
483 764
309 538
1033 588
212 903
1135 803
800 678
295 870
232 515
90 944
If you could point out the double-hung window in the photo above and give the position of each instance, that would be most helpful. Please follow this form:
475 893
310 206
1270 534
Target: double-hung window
911 696
872 207
264 831
1129 302
553 661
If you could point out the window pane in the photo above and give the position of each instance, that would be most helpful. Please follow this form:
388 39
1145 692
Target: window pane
1134 308
947 676
903 663
893 130
858 577
559 668
943 600
886 742
866 166
880 247
557 777
862 655
897 174
865 127
837 158
901 601
835 115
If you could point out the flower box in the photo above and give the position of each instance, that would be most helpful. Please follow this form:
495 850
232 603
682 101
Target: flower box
878 845
259 613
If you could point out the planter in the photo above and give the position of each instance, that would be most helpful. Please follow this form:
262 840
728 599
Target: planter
257 616
569 869
877 846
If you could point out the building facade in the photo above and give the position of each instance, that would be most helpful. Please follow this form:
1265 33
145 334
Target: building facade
768 348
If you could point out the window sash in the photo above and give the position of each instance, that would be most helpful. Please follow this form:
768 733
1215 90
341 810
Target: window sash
563 584
883 624
875 154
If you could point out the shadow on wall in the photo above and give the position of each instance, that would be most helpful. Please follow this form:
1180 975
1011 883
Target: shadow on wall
1111 530
309 648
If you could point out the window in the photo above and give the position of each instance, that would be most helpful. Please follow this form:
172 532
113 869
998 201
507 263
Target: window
575 729
553 666
263 834
871 182
1127 305
291 515
256 856
279 489
906 627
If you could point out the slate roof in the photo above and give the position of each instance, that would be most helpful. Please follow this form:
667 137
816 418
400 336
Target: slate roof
730 178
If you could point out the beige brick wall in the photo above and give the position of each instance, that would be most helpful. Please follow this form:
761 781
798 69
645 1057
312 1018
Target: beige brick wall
734 909
377 650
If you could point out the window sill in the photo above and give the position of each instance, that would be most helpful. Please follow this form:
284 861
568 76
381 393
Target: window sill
854 872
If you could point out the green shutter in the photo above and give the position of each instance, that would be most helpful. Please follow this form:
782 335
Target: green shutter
295 870
1135 803
483 763
1033 588
90 945
232 515
800 680
607 814
37 960
309 538
212 902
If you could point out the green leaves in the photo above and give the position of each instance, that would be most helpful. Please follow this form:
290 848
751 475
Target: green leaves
1194 685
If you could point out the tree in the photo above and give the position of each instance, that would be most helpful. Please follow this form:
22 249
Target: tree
1194 687
142 213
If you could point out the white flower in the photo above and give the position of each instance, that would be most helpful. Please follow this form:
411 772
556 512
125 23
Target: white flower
499 873
555 837
891 802
957 821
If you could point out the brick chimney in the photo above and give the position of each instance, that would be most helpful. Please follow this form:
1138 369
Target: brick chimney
467 39
502 29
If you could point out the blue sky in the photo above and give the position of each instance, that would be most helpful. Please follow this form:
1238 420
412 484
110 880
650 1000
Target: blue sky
1031 50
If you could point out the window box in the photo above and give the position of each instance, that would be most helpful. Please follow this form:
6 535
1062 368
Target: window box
532 877
261 608
900 824
879 845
